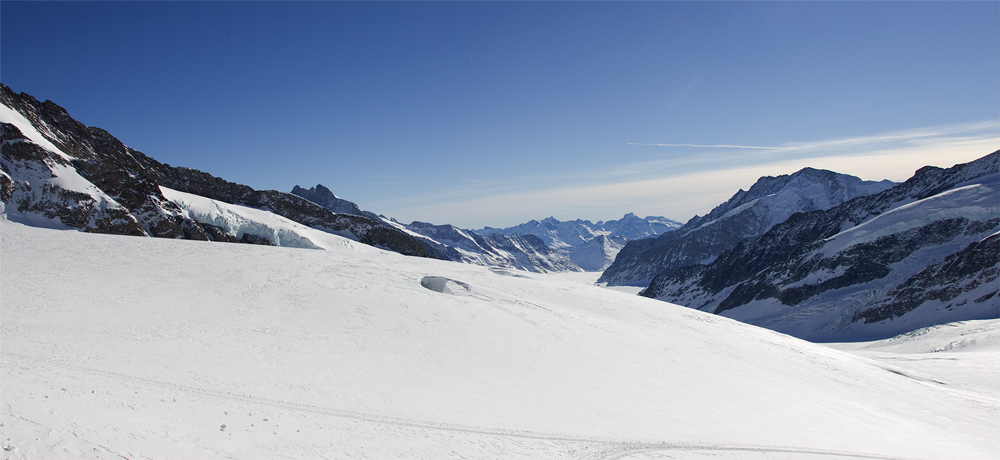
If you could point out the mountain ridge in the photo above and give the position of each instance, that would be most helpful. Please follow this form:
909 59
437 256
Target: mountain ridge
62 173
747 214
928 244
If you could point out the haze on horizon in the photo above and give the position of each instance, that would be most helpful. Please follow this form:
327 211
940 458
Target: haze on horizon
493 114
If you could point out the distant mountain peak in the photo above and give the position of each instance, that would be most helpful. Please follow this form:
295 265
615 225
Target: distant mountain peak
747 214
325 198
920 253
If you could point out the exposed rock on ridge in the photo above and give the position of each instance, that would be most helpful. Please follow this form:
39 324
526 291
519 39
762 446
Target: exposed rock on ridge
325 198
921 253
748 214
116 189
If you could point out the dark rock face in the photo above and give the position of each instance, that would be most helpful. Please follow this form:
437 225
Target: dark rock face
293 207
816 264
117 171
26 170
216 233
130 181
325 198
976 265
254 239
748 214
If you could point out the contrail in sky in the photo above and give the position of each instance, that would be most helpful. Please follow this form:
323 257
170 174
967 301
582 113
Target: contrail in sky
713 146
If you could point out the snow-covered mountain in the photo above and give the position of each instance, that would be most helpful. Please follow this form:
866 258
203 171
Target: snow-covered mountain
924 252
576 238
160 348
447 242
57 172
521 252
748 214
573 233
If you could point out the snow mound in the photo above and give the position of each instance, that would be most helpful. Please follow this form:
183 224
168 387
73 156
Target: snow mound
450 287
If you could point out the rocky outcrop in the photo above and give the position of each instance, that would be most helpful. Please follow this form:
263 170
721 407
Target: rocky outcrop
748 214
325 198
83 177
965 271
921 253
94 181
293 207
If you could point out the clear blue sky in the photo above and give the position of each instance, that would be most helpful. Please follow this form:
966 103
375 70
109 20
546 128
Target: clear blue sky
496 113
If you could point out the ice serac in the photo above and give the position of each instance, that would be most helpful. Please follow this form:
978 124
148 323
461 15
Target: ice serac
522 252
924 252
748 214
57 172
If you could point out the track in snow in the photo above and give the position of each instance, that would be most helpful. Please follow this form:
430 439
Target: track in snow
608 449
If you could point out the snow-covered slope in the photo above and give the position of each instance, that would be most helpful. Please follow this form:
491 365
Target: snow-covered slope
159 348
925 252
748 214
962 354
598 253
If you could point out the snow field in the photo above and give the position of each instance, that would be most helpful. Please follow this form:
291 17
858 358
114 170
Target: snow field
144 348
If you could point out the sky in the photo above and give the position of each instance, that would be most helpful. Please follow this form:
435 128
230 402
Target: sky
495 113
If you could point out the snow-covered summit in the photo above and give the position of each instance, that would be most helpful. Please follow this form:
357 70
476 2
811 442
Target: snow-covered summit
748 214
519 252
577 238
924 252
573 233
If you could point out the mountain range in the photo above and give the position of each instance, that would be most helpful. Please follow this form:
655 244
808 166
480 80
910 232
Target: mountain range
815 254
591 246
921 253
748 214
538 246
